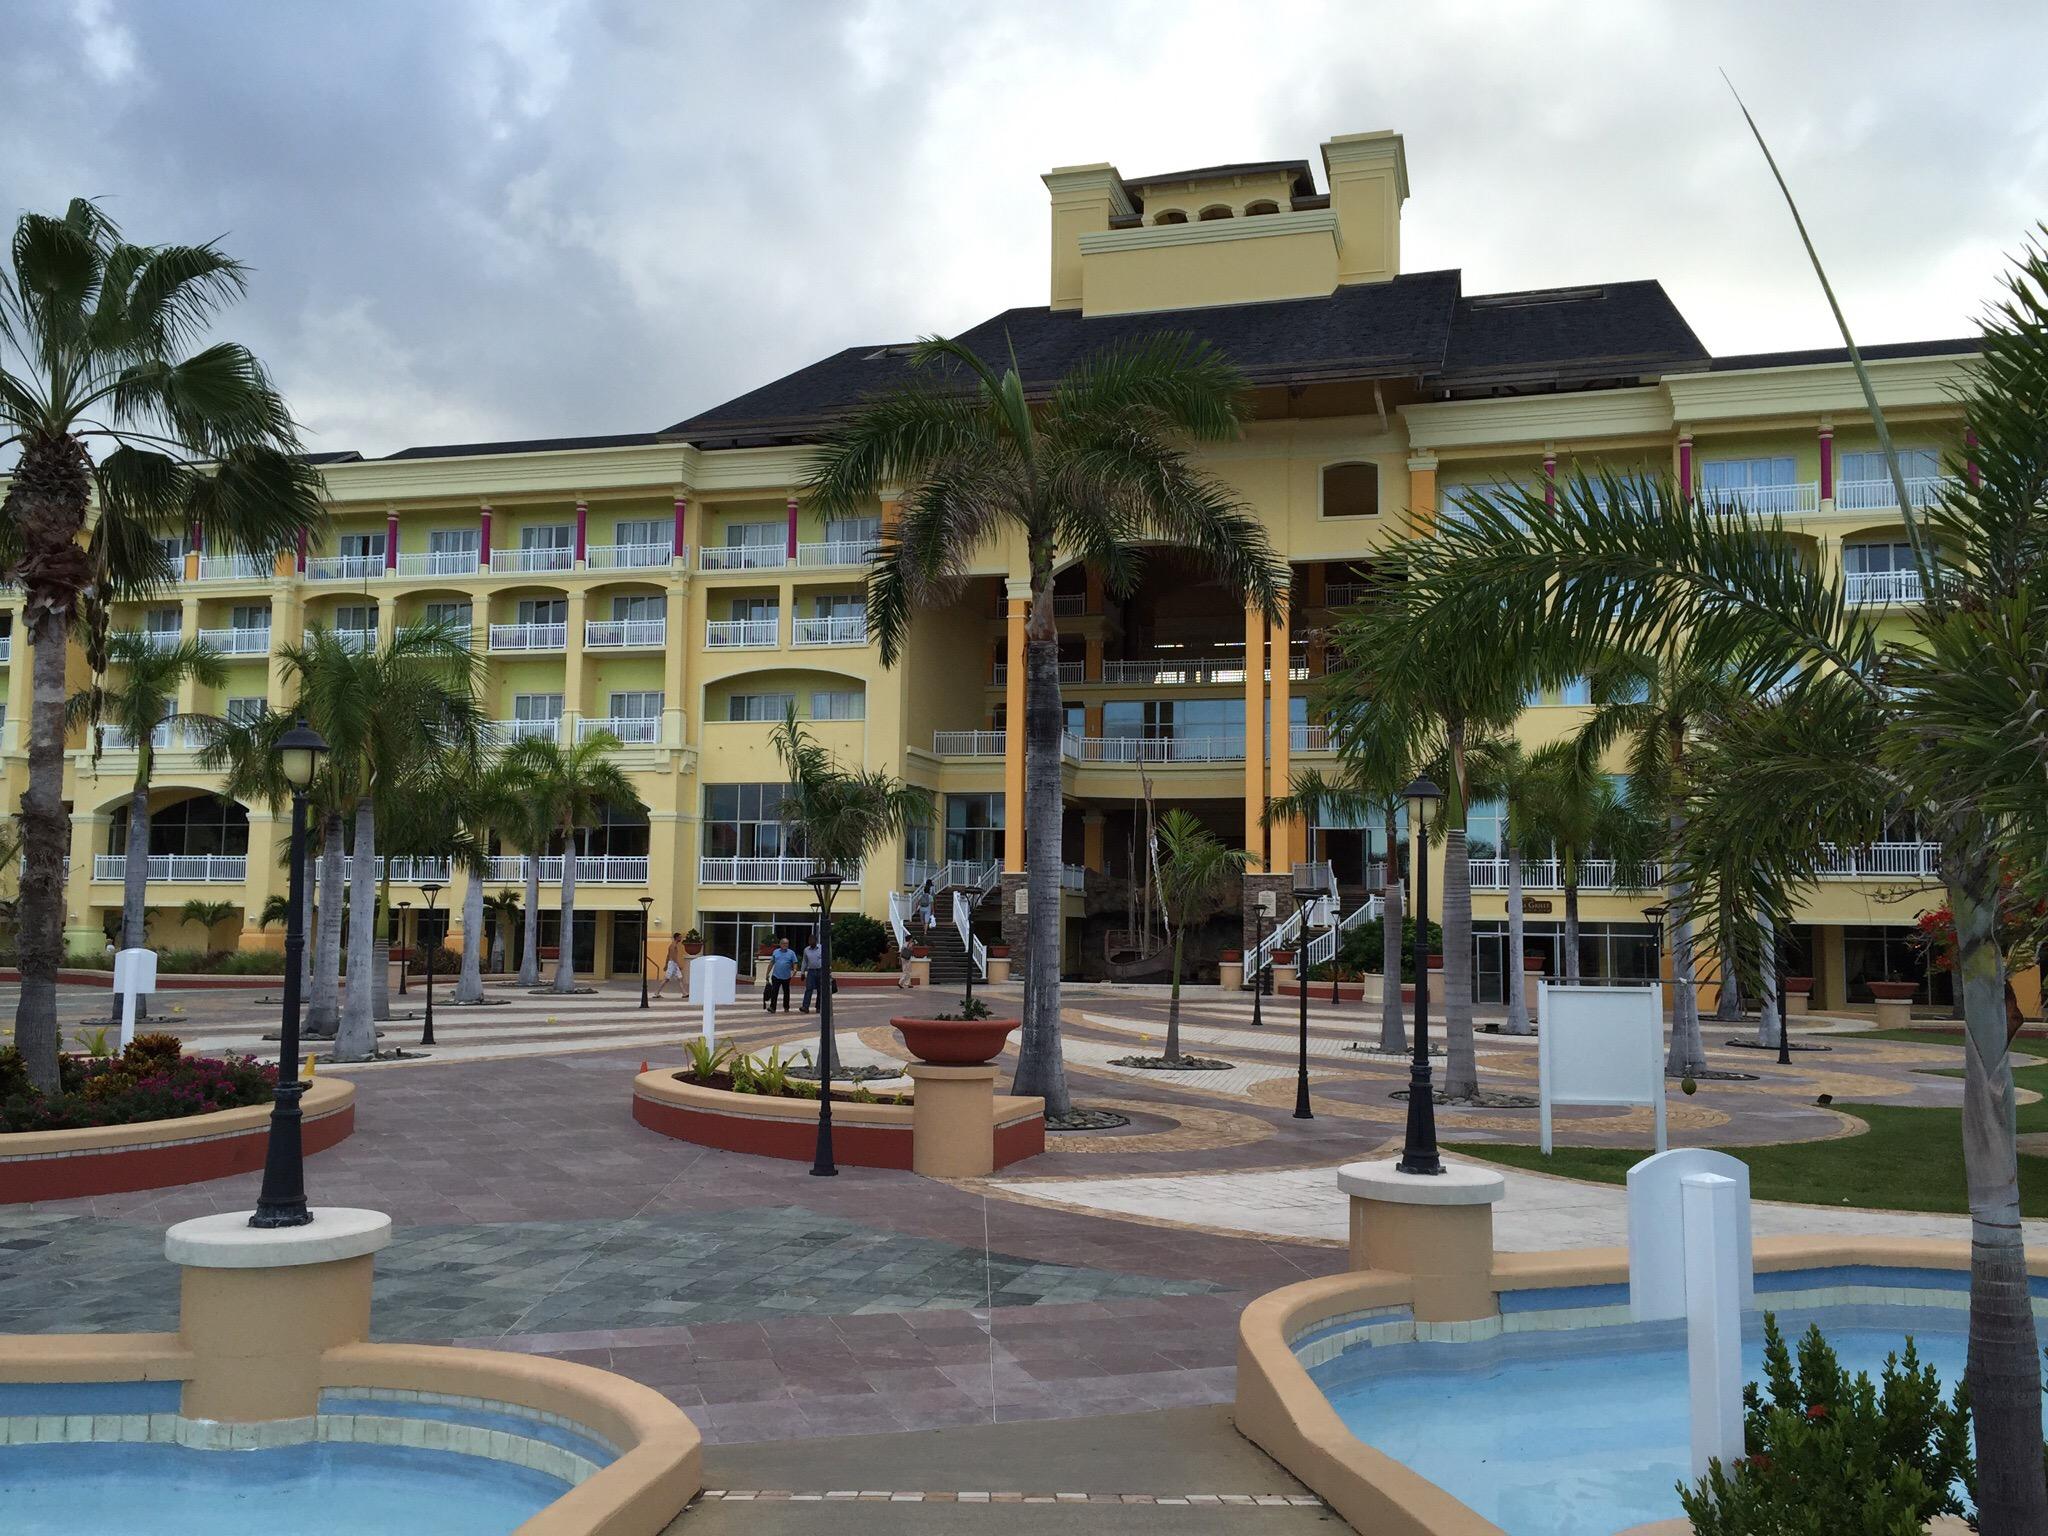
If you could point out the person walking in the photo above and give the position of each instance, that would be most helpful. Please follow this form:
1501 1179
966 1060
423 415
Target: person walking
672 967
781 966
927 899
814 972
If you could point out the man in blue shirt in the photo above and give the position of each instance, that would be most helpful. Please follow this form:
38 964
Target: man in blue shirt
781 966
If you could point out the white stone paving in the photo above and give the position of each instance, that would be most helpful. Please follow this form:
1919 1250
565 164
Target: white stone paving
1276 1034
1240 1078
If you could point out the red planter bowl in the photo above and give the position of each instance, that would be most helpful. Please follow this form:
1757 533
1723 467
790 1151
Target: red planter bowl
1532 962
1232 956
1436 962
999 951
1893 991
1798 983
1283 957
956 1042
692 949
919 952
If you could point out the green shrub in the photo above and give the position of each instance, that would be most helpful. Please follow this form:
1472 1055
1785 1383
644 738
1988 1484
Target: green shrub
447 962
1835 1453
250 962
857 939
124 1089
1359 953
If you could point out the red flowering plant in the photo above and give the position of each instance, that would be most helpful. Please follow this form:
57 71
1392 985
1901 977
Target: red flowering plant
152 1080
2022 928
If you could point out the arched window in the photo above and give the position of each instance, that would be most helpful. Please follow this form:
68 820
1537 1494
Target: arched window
1171 216
1215 211
1351 490
1253 210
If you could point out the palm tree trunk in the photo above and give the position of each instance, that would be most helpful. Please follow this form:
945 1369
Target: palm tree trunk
1572 972
1393 1021
1041 1069
469 987
1461 1059
381 951
2004 1367
135 873
498 943
1173 1002
45 838
565 944
1518 1005
1769 1021
324 1016
529 958
357 1039
1728 1006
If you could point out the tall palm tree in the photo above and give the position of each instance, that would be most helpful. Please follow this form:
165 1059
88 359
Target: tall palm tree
577 785
383 712
441 810
143 700
526 822
1570 805
1515 781
502 911
1190 867
110 404
1086 468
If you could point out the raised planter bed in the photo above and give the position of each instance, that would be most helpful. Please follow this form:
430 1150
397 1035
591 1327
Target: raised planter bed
82 976
156 1154
863 1135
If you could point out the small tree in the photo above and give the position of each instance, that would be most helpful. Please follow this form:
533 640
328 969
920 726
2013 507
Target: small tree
1190 866
208 915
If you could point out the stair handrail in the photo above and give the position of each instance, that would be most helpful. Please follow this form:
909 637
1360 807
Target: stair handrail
1323 947
1282 937
977 952
987 880
897 924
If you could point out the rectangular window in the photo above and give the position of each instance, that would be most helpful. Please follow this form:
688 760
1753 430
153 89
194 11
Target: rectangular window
1486 829
175 547
974 827
243 711
853 530
839 704
1876 559
1742 474
840 605
357 616
760 706
1917 463
643 605
536 706
249 616
756 535
1576 690
457 615
642 531
641 705
744 821
452 541
543 610
1460 500
161 621
548 536
754 607
364 546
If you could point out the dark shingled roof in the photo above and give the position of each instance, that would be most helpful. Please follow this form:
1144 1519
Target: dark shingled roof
1961 346
1564 334
338 456
531 445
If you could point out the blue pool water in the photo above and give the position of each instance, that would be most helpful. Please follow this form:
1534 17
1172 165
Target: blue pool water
1582 1432
302 1490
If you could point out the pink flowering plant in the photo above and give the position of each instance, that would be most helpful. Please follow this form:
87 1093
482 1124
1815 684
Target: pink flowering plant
152 1080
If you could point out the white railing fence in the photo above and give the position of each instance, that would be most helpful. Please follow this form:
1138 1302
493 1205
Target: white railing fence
969 743
548 558
977 952
1880 495
1871 588
631 730
1153 749
624 634
842 630
625 557
229 642
741 557
234 568
503 733
1323 947
785 870
839 552
439 562
735 634
187 868
899 921
591 868
529 637
344 567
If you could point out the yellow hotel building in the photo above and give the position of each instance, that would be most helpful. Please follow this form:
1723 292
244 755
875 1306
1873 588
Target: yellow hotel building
672 586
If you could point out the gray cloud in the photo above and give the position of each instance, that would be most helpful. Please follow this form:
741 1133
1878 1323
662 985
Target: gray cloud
475 220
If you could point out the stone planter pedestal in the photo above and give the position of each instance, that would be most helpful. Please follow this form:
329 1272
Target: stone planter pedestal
920 970
1230 973
953 1121
259 1306
1894 1001
1437 1229
998 968
1798 995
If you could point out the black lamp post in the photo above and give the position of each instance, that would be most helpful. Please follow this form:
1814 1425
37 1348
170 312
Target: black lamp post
282 1202
825 883
1774 991
646 904
1258 942
403 908
1418 1153
1303 895
429 889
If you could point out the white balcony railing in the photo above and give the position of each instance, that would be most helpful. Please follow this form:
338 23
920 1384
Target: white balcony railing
1161 749
844 629
979 877
742 634
155 639
237 642
503 733
1073 877
1069 605
440 562
591 869
838 552
186 868
529 637
1765 500
1548 875
551 557
632 730
357 639
1168 673
114 739
344 567
624 634
1346 594
969 743
741 557
625 557
234 568
1309 738
786 870
1880 495
1071 671
1872 588
413 871
1883 861
6 646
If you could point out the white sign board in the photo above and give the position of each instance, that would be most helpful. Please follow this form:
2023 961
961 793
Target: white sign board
1656 1229
134 977
713 980
1600 1045
1713 1320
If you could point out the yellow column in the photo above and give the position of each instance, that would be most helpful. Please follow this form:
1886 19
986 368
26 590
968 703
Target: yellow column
261 872
1013 730
1422 495
1281 849
674 722
1254 750
573 702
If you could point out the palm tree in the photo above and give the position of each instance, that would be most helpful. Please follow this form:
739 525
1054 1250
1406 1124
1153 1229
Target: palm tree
526 822
1514 779
208 915
441 811
503 911
1190 866
98 349
1581 813
144 701
576 785
1937 714
1087 468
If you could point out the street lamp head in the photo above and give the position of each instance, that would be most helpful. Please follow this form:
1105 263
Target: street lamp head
299 751
430 889
645 903
1308 893
1422 792
825 884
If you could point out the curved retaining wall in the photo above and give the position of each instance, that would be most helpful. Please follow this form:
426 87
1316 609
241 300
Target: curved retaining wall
155 1154
863 1135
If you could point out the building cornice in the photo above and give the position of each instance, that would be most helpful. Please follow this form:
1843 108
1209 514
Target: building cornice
1214 231
1816 389
1530 421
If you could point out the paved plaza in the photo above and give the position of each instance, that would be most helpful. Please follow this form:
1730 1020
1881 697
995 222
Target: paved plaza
1104 1277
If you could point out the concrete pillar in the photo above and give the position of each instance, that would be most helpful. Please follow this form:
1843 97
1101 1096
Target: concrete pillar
1092 667
1830 967
391 539
1281 848
790 550
674 680
1550 475
1827 464
483 537
582 532
953 1121
263 876
573 669
1097 600
1019 593
1422 495
1685 467
83 935
1254 747
1436 1228
1092 824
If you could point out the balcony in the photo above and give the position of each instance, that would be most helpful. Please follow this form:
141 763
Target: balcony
344 567
1070 672
776 871
179 868
624 634
440 562
625 557
839 552
6 646
503 733
631 730
1548 875
1882 496
155 639
234 568
237 642
741 557
1346 594
1867 589
1069 605
1919 862
1798 500
846 629
406 871
1309 738
1152 749
969 743
529 637
591 869
742 634
114 739
356 639
552 557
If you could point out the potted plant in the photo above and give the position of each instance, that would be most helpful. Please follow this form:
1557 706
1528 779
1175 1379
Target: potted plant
966 1037
693 943
1233 956
999 951
1531 963
1893 991
1797 990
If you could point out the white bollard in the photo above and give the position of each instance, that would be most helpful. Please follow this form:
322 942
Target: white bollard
134 978
1713 1319
713 980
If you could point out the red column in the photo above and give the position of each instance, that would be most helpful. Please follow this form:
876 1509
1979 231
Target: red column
483 537
792 530
391 541
302 551
1550 479
1976 476
1827 463
1685 468
682 511
198 537
582 530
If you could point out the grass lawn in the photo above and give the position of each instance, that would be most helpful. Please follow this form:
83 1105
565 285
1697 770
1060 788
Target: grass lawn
1909 1160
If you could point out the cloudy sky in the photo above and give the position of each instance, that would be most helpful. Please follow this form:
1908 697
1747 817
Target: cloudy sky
477 219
